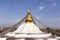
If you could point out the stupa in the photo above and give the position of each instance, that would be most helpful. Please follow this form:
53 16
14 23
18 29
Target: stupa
28 30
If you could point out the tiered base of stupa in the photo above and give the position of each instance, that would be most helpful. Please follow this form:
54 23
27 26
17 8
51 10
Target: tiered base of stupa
28 35
24 36
12 38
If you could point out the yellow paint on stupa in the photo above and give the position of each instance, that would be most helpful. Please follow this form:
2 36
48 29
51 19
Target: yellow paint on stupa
28 18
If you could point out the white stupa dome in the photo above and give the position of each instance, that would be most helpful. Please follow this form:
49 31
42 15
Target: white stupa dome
28 28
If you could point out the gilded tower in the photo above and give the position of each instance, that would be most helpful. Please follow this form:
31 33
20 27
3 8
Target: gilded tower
28 18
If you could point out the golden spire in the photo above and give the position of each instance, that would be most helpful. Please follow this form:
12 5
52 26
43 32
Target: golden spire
28 18
28 11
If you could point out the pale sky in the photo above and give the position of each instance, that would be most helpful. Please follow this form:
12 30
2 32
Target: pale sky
48 11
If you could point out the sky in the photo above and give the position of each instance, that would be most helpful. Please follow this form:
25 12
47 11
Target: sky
48 11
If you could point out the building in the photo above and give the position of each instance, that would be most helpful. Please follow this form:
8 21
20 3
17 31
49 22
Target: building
28 31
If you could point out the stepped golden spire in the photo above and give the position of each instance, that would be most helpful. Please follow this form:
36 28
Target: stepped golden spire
28 18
